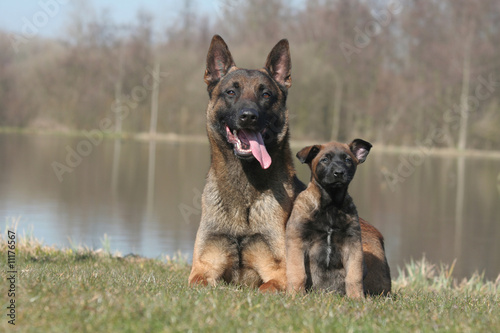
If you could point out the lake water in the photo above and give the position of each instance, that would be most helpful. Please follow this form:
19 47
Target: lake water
146 196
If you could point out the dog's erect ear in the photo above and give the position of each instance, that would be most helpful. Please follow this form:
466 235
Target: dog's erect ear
360 149
307 154
279 63
219 60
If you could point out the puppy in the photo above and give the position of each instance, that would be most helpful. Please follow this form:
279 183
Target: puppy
324 235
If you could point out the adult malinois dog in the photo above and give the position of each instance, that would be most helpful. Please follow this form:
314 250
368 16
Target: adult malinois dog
251 184
327 243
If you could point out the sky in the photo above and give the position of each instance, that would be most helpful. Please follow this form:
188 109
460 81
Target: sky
49 17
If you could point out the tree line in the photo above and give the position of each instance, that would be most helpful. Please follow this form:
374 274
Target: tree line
397 72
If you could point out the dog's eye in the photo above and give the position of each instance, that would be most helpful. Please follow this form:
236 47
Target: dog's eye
348 160
324 160
230 92
266 95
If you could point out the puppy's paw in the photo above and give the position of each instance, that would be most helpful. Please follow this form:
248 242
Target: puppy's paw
271 286
198 279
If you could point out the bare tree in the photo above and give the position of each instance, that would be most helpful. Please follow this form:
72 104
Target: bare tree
360 68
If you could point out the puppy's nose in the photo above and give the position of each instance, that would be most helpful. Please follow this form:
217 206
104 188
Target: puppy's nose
338 174
248 117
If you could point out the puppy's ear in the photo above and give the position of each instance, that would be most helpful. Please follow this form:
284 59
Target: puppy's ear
279 63
307 154
360 149
219 61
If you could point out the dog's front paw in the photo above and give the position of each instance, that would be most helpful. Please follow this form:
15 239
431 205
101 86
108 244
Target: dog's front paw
198 279
271 286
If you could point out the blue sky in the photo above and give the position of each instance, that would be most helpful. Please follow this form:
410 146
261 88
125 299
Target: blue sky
51 16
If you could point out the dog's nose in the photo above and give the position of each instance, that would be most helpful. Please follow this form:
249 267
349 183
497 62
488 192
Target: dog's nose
338 174
248 117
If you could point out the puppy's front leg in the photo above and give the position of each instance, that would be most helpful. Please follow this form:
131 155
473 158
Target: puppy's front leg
353 263
295 267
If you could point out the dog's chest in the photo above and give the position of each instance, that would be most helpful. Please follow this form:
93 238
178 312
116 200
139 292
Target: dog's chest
245 214
326 237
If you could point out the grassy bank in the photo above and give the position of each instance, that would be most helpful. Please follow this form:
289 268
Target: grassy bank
79 290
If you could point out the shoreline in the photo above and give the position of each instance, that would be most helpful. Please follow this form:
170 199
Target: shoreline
202 139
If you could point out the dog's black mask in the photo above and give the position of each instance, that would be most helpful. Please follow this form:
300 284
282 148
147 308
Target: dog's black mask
248 107
334 163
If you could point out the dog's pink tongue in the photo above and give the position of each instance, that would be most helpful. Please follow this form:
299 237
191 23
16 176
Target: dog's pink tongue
258 148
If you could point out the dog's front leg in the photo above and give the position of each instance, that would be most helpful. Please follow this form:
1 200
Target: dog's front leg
269 264
353 263
295 266
212 257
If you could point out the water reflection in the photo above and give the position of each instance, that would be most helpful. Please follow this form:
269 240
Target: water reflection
459 205
146 196
151 179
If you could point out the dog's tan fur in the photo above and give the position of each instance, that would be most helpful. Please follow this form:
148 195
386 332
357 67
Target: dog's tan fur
241 238
377 280
363 267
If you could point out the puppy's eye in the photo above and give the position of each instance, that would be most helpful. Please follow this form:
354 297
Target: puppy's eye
348 160
231 92
266 95
324 160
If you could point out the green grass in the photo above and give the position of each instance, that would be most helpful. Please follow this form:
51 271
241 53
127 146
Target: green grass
79 290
